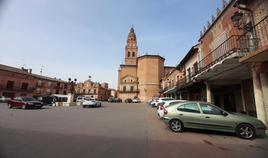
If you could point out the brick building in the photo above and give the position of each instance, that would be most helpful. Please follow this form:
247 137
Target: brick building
232 57
22 82
93 90
139 76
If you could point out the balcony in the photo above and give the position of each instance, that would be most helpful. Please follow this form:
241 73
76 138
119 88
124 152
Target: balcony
255 42
227 48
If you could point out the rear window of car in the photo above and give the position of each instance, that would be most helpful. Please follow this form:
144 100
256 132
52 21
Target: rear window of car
189 107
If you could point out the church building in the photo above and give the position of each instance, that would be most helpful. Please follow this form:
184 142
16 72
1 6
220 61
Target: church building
140 76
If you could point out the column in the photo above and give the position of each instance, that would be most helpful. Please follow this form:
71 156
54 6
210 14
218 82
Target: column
264 85
243 97
209 93
180 96
258 97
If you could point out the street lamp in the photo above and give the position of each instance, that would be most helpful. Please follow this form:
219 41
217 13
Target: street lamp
72 84
236 18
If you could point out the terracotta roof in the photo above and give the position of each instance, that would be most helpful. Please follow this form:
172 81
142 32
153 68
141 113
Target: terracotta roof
188 55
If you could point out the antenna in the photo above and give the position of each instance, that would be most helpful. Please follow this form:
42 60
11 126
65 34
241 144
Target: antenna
41 71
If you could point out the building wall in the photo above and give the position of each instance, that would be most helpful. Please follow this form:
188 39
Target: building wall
37 85
189 64
217 33
259 8
93 90
150 71
18 79
127 78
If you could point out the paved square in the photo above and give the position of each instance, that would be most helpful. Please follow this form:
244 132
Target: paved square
115 130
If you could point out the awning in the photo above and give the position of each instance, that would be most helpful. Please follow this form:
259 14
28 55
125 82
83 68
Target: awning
172 90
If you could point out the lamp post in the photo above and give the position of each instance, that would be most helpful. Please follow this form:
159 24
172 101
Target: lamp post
72 84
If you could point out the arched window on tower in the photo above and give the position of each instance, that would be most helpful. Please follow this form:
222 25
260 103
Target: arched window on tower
124 88
128 54
133 54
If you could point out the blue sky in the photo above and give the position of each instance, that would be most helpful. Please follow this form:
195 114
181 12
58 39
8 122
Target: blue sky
78 38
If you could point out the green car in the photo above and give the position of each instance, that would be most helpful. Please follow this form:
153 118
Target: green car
202 115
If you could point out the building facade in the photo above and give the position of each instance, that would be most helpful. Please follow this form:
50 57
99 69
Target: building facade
22 82
232 60
99 91
139 76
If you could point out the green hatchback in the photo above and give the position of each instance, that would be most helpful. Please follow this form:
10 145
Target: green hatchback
203 115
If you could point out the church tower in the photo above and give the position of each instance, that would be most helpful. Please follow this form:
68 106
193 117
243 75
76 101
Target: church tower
131 49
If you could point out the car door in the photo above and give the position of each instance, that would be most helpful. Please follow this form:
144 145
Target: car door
17 101
189 114
214 118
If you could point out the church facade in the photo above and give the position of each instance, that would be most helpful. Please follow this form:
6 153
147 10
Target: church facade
140 76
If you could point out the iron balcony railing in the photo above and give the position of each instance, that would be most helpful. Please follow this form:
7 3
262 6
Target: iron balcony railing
256 37
229 46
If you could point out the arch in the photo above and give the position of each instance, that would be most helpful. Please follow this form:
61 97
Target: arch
128 54
133 54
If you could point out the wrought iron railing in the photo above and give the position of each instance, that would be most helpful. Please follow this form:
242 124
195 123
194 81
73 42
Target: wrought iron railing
229 46
256 37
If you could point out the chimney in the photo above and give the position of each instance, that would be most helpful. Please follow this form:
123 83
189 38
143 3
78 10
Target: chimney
224 4
218 11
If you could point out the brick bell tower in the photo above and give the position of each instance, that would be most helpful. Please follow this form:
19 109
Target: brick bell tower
131 49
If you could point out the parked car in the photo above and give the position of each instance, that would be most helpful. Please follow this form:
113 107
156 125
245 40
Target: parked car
87 103
80 99
111 100
202 115
2 99
48 100
24 103
128 100
118 100
136 100
155 103
163 105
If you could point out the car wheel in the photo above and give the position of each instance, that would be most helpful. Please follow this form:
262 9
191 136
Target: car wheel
245 131
176 125
9 106
84 106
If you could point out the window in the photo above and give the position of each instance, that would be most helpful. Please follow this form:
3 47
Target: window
95 91
131 88
133 54
10 84
24 86
84 91
209 109
195 68
190 107
49 84
124 88
65 86
39 83
64 92
128 54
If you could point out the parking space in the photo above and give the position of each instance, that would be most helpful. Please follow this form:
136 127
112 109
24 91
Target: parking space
114 130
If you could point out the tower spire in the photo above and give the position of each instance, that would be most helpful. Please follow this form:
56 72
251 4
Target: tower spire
131 49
